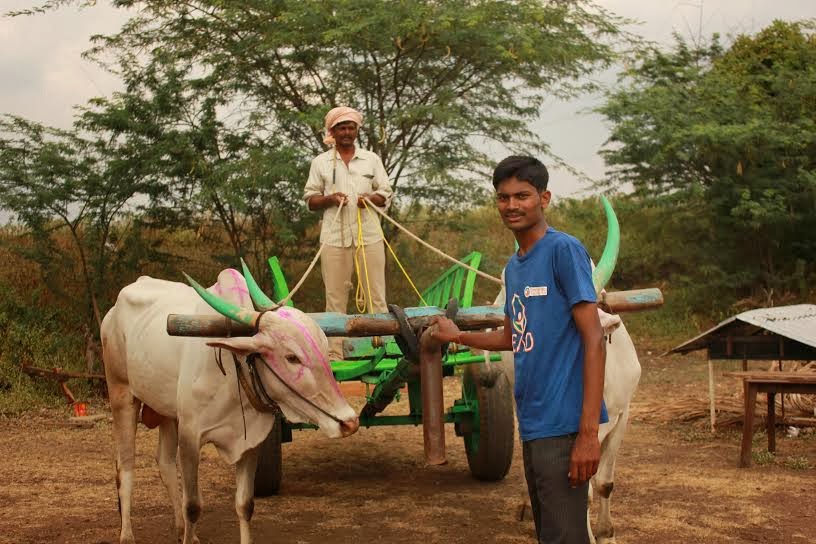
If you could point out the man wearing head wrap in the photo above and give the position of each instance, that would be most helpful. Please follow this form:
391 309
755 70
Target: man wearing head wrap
348 175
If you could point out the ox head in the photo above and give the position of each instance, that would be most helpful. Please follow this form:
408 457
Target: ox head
290 352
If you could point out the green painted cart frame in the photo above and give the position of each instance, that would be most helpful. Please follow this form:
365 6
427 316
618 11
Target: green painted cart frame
483 416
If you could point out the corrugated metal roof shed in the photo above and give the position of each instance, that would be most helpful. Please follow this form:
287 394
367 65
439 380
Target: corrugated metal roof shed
796 322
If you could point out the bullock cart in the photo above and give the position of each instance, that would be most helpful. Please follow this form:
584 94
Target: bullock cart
390 364
391 352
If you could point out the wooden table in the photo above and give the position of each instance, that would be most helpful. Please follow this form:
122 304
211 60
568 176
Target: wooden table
769 383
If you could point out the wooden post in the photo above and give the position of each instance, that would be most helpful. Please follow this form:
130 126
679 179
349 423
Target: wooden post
334 324
770 424
711 408
750 392
632 301
433 407
781 395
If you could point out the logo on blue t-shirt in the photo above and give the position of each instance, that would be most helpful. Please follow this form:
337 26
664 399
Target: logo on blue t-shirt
535 291
522 338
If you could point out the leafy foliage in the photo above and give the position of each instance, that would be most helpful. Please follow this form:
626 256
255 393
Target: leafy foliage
732 133
434 79
55 181
169 125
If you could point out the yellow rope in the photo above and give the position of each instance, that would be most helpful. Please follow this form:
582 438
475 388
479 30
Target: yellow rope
361 247
396 259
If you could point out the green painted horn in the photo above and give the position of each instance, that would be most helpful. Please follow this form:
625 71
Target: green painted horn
227 309
259 298
605 267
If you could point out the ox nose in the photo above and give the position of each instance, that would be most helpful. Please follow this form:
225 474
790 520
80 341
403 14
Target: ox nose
350 426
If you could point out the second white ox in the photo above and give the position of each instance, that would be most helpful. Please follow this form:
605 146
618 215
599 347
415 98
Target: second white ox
181 380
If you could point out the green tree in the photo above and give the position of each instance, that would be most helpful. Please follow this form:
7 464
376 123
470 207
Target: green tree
436 80
60 186
735 130
181 131
222 102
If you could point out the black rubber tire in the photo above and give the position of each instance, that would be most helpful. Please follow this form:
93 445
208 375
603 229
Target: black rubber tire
269 473
490 451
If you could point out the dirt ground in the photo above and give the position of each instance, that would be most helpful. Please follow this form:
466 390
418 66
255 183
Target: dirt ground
675 483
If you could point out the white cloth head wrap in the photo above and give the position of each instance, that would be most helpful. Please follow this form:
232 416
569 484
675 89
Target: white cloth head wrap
338 115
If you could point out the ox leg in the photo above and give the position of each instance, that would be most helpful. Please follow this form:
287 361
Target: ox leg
588 517
125 409
189 457
166 455
604 480
245 491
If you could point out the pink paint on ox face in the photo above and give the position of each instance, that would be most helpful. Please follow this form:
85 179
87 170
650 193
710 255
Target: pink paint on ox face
272 360
319 355
281 339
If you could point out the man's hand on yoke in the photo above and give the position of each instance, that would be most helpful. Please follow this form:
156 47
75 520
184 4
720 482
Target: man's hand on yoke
446 331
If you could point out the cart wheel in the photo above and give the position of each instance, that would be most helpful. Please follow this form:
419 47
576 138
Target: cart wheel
489 442
269 473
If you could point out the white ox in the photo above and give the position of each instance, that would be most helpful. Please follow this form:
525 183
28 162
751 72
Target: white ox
180 380
620 382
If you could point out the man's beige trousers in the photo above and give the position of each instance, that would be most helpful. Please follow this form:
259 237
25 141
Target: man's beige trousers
337 265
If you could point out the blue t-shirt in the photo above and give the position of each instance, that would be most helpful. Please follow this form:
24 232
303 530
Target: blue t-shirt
542 287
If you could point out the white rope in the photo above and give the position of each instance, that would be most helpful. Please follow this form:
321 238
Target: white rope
403 229
432 248
294 290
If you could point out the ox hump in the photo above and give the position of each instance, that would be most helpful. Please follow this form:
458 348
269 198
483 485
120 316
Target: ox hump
232 287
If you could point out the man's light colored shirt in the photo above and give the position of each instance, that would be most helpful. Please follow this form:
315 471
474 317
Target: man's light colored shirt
365 173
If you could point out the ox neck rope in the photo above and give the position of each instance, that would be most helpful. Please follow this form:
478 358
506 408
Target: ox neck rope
241 381
256 393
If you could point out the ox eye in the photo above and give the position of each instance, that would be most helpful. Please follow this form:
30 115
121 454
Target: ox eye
293 359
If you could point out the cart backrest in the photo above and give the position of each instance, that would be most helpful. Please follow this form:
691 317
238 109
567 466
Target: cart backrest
279 287
457 281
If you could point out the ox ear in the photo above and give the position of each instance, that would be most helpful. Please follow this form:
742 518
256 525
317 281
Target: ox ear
609 322
242 345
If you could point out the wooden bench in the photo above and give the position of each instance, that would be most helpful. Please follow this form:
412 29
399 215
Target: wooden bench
769 383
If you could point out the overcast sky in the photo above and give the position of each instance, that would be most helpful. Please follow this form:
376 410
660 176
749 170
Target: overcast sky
42 75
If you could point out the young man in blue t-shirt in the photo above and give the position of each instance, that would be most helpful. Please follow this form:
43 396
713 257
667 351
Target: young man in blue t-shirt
551 324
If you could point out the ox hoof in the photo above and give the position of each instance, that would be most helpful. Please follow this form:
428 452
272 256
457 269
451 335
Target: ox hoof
193 540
